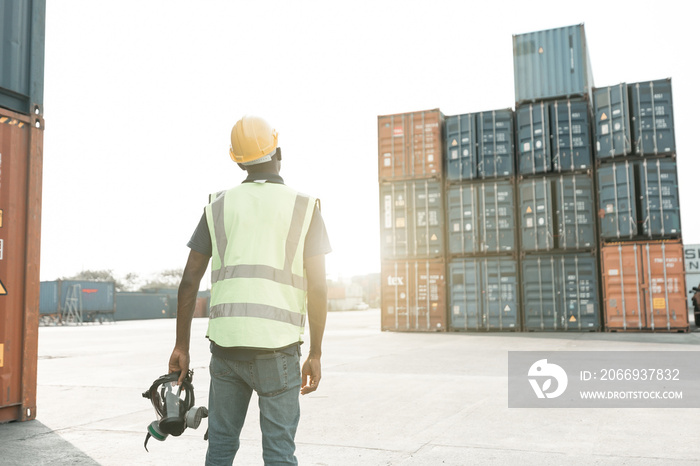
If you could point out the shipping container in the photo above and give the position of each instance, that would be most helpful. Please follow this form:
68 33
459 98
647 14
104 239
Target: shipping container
76 301
536 214
644 286
551 64
138 306
612 121
479 145
652 117
560 292
534 151
460 147
481 217
572 147
410 145
413 295
21 149
658 198
483 294
22 31
574 216
616 197
411 219
495 148
639 199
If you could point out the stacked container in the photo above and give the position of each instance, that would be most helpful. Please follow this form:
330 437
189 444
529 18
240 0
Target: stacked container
21 152
411 221
639 208
555 182
481 222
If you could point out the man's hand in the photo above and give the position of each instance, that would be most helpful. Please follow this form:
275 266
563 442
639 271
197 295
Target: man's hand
310 375
179 361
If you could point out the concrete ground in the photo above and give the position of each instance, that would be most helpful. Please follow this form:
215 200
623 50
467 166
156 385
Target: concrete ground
385 399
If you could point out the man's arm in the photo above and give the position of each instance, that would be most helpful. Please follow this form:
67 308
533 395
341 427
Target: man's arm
317 302
186 299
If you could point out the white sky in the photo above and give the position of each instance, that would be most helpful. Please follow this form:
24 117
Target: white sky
140 98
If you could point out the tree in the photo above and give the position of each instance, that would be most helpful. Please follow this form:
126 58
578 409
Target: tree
98 276
169 279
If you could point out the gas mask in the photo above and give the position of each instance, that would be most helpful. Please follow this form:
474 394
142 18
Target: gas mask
174 405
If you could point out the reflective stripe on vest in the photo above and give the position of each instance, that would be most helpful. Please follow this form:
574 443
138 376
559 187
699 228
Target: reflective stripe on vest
258 282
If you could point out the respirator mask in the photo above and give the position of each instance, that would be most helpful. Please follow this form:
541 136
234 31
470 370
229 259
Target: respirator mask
174 405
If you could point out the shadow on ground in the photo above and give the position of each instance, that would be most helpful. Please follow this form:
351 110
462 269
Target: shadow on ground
47 447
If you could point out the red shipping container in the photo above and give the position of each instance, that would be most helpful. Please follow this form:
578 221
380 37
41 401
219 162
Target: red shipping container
21 149
414 295
410 145
644 286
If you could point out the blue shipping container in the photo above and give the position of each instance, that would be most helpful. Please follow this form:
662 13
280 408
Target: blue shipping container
560 292
479 145
534 151
652 117
483 294
138 306
22 37
572 147
616 196
551 64
612 121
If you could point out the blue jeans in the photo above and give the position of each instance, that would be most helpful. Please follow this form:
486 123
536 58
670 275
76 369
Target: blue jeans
276 378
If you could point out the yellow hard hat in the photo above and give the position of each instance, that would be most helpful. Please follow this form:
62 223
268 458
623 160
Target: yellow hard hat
253 141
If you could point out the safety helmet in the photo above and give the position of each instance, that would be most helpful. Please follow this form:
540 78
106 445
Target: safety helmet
253 141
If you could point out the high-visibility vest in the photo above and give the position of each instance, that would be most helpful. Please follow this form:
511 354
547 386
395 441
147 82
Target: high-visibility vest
258 294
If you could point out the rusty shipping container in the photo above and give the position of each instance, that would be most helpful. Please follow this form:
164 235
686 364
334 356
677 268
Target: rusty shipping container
644 286
21 148
21 152
411 219
414 295
410 145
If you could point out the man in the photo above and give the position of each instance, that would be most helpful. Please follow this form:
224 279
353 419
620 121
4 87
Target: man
267 245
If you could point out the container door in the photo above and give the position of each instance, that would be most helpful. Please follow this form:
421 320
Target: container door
424 144
21 147
665 287
392 147
571 135
413 295
497 217
465 295
536 220
612 122
500 282
395 227
460 140
495 144
580 292
623 287
652 117
540 309
658 195
428 218
533 139
617 210
575 212
462 212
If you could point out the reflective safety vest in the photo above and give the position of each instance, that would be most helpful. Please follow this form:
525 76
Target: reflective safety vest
258 295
